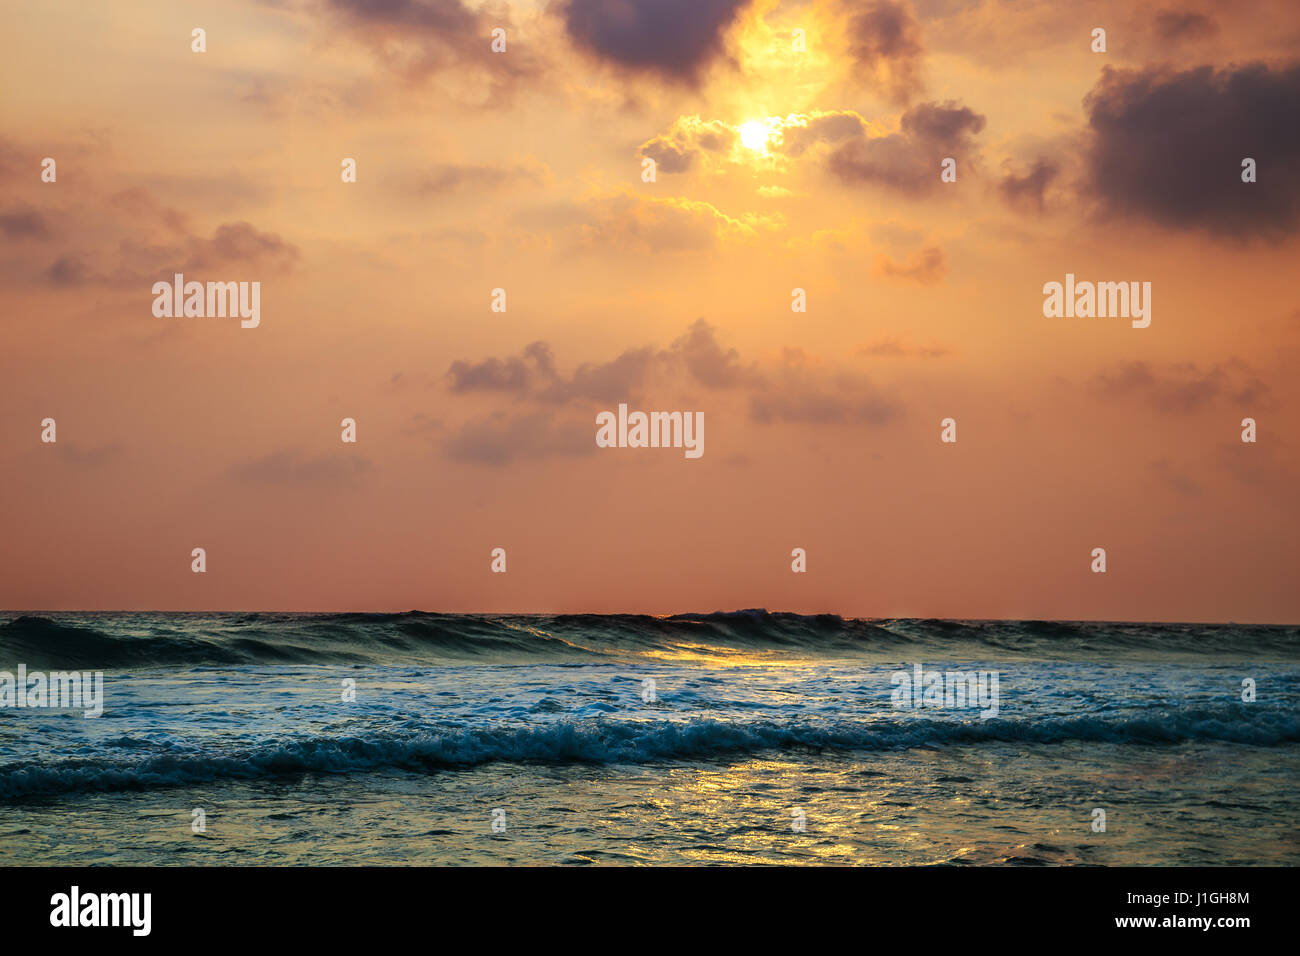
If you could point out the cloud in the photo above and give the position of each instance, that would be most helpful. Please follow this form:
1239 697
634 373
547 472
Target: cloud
532 374
243 243
23 222
1184 388
801 395
795 389
909 159
706 360
855 149
69 270
926 266
1260 465
632 224
422 424
500 439
445 17
1029 190
138 259
941 122
417 39
124 239
142 209
612 381
673 39
885 44
893 348
687 141
1168 147
504 375
450 178
800 133
697 355
1172 478
292 467
1184 25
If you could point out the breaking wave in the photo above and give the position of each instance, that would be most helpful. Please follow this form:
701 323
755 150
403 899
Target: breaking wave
108 640
600 740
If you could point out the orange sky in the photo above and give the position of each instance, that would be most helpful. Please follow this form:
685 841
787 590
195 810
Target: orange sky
522 170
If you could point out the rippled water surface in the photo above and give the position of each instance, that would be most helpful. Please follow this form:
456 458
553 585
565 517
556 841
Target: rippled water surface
726 738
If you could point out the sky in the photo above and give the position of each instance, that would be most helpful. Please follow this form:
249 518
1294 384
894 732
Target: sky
793 146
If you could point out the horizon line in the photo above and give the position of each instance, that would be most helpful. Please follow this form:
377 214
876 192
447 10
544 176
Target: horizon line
661 615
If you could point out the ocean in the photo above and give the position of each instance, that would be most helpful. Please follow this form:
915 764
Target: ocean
743 737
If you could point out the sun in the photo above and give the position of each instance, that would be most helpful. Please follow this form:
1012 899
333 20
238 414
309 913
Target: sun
754 134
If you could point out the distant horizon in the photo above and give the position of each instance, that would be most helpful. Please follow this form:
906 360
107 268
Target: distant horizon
655 614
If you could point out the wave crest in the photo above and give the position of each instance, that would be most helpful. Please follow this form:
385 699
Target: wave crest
603 740
141 640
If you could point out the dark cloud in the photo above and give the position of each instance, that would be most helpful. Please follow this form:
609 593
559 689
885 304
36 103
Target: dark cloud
1029 190
829 127
697 355
499 439
801 396
675 39
1168 146
450 178
23 222
1184 25
515 374
419 38
792 390
241 242
449 17
909 159
612 381
130 238
69 270
532 374
941 122
139 259
885 41
706 361
1184 388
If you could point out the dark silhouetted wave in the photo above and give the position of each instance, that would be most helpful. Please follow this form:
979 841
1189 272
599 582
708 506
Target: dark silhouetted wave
120 640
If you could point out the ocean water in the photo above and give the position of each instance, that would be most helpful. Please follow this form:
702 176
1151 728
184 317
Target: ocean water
744 737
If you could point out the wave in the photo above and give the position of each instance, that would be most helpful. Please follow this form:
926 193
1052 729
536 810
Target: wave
602 741
108 640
